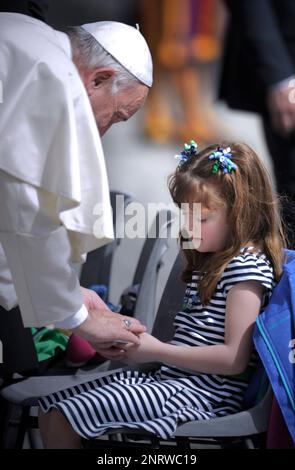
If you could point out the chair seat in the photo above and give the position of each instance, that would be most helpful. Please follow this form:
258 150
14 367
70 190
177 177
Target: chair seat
26 392
245 423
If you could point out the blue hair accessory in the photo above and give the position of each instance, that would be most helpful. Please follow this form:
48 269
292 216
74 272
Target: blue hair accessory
189 150
222 157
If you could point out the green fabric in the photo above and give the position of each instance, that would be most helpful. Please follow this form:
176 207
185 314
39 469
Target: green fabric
47 341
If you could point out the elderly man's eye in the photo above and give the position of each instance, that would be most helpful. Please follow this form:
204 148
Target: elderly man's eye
120 117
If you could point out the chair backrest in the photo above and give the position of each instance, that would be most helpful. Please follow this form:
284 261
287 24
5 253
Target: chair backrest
147 271
171 303
97 268
161 222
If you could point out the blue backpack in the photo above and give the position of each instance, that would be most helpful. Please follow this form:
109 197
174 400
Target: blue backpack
274 338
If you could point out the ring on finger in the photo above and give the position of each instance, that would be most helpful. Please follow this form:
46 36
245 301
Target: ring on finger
127 323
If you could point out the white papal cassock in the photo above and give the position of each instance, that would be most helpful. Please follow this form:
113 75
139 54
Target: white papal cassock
52 174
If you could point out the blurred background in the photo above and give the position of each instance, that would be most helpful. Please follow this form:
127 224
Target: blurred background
186 41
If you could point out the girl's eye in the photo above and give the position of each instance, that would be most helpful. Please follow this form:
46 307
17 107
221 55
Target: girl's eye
203 220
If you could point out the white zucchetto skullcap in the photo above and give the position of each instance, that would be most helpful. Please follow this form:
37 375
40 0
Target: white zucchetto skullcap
127 45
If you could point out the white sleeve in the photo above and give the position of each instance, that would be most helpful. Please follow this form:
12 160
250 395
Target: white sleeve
38 253
73 321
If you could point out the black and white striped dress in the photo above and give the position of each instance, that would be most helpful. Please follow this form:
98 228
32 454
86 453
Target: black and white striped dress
160 401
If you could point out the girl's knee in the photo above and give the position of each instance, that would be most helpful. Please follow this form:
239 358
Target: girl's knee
57 417
53 414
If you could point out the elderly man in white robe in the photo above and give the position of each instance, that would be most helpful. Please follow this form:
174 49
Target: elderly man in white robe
60 93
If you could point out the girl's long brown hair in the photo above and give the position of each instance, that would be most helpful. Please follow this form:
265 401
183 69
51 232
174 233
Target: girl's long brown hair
252 209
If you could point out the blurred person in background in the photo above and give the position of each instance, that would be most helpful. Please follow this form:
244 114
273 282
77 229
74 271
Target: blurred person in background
184 36
258 75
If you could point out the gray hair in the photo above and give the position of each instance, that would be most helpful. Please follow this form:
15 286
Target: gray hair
90 54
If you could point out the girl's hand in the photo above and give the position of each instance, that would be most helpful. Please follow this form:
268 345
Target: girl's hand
147 351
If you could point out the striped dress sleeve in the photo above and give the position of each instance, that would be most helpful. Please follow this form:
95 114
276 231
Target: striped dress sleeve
247 267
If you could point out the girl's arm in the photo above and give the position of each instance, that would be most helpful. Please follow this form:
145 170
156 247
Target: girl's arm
242 307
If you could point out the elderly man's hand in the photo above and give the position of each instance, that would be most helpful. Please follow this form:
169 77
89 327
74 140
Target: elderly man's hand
103 328
281 107
92 300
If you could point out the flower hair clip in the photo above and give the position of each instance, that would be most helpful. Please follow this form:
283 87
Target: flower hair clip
189 150
222 157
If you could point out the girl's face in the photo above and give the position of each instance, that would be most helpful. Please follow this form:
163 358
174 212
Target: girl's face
208 229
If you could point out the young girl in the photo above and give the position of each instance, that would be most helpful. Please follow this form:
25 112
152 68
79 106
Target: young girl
231 269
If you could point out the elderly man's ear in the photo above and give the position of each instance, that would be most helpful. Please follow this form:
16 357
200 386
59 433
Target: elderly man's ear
96 78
